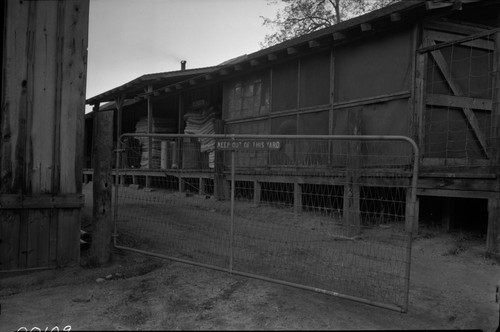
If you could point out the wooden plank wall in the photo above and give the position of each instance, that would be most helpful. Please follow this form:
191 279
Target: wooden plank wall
41 125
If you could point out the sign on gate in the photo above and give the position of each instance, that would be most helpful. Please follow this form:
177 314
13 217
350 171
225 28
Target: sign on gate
246 145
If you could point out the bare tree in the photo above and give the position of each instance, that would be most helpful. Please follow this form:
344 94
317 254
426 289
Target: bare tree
299 17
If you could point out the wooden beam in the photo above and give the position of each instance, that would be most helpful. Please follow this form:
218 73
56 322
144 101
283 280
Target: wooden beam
238 67
272 57
254 62
454 39
469 114
395 17
168 89
257 190
372 100
192 81
223 72
119 110
178 86
338 36
100 250
495 114
208 77
419 102
291 50
351 215
435 5
366 27
493 232
459 102
297 198
41 201
453 27
150 125
313 43
455 193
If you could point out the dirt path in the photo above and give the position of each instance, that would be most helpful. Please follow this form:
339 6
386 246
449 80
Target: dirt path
452 286
450 289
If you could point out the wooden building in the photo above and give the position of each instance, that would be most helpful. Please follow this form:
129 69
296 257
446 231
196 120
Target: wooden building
423 69
44 53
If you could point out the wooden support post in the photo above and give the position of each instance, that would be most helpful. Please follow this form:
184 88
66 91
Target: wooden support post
409 213
493 235
297 198
201 188
352 206
447 214
220 185
148 181
150 129
257 189
182 184
100 250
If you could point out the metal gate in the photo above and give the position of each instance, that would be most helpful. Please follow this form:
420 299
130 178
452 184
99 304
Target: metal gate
332 214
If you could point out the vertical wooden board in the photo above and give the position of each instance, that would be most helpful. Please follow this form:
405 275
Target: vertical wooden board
42 68
493 233
37 238
10 223
14 83
23 239
68 237
495 114
53 238
42 249
73 85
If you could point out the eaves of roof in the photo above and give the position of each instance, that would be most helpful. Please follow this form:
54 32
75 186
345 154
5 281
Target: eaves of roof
138 85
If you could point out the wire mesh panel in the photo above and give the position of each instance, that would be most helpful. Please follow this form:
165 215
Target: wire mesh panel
327 213
460 123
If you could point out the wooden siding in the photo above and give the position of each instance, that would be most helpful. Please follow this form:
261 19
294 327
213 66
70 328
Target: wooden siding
43 98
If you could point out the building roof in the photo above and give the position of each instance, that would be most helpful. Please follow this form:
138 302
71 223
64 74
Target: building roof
386 18
136 87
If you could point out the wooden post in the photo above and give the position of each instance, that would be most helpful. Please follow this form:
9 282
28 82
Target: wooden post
201 188
297 198
220 185
493 235
411 212
119 107
41 121
257 189
351 206
447 214
182 184
100 249
150 127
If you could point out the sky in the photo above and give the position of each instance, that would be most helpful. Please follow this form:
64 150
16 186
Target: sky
131 38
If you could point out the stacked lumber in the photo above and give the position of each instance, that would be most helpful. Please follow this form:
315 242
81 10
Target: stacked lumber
159 126
203 123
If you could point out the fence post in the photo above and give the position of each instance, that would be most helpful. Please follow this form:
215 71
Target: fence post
100 250
493 233
352 206
297 198
231 235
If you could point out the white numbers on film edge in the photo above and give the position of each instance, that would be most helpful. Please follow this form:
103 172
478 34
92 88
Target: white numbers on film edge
37 329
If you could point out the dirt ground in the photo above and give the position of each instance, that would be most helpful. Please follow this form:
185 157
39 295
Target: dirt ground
453 286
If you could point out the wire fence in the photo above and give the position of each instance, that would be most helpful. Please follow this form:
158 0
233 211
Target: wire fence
332 214
460 124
